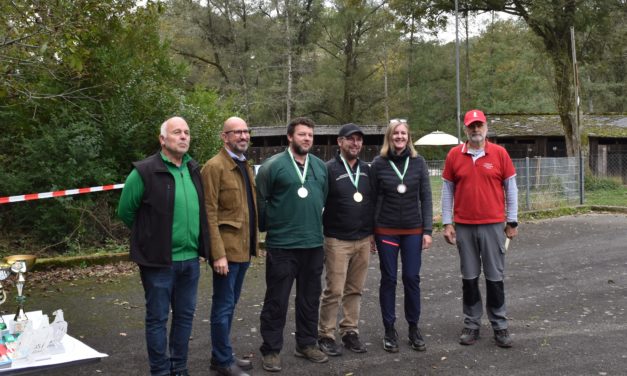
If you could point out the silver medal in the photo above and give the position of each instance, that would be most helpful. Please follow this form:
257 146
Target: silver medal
303 192
401 188
358 197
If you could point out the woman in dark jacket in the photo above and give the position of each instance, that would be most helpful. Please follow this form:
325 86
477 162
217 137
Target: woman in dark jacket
403 224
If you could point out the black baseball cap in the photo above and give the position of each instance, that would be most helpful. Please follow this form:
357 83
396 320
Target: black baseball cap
349 129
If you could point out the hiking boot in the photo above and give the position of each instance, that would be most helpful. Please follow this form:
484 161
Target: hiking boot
390 340
502 338
351 341
271 362
329 347
311 353
415 339
469 336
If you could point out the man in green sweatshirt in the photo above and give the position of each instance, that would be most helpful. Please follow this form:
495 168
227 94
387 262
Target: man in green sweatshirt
162 204
291 191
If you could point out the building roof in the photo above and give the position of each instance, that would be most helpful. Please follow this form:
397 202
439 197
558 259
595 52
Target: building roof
499 126
550 125
319 130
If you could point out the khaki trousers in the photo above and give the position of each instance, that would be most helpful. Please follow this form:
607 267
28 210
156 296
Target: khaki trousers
346 265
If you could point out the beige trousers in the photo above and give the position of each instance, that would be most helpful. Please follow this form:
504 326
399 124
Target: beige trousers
346 266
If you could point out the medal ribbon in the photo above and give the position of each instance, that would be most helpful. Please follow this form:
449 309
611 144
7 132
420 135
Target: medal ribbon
398 173
354 180
304 173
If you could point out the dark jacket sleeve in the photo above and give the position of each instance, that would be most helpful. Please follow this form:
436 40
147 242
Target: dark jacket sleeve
426 200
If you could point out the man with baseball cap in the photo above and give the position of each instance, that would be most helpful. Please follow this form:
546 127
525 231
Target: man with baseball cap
479 185
348 226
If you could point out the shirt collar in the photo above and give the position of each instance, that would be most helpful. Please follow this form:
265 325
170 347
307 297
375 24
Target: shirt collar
185 159
465 147
235 156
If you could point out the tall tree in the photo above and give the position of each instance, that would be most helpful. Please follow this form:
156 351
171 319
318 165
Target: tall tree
83 103
350 34
551 20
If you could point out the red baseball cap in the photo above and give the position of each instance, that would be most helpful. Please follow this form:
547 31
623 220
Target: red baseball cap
474 116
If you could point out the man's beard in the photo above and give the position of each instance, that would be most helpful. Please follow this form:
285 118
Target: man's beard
300 150
235 148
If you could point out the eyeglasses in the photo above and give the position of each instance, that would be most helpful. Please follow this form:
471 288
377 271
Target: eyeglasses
239 132
398 121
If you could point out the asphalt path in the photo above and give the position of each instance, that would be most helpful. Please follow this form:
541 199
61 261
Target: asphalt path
566 291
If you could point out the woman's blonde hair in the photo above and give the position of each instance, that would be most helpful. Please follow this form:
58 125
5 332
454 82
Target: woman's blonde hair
387 139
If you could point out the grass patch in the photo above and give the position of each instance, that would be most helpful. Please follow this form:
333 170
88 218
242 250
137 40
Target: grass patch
605 191
611 197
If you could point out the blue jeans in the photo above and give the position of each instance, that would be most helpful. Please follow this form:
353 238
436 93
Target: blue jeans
226 291
174 286
410 248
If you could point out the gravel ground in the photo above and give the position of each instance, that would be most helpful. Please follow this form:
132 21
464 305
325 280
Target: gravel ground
566 289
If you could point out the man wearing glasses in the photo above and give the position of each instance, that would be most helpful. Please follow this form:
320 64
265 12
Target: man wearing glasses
347 218
230 203
479 179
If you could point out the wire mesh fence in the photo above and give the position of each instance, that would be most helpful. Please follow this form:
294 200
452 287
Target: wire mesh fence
543 183
609 164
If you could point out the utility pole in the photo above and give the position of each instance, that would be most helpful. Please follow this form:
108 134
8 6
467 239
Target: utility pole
457 88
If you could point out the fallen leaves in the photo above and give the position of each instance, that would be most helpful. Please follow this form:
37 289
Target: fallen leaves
47 279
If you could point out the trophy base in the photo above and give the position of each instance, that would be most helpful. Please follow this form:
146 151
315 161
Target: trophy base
56 349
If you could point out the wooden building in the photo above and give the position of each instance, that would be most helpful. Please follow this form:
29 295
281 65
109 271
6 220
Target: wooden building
522 135
543 136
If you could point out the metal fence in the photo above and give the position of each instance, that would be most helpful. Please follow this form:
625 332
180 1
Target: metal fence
543 183
609 164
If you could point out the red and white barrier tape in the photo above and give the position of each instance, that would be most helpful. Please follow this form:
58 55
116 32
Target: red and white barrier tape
66 192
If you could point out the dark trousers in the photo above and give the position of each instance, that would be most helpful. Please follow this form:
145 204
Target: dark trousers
410 248
283 266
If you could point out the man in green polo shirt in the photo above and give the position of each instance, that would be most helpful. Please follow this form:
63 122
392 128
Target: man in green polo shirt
162 204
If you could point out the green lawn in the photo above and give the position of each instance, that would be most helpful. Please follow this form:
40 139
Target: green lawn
613 197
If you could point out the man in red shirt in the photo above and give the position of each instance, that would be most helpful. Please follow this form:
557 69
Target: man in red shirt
479 194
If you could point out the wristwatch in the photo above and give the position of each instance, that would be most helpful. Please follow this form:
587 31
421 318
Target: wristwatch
512 224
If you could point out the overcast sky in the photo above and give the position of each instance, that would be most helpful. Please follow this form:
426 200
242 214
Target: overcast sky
476 25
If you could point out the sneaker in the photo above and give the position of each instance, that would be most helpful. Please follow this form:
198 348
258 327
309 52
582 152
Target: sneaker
415 339
390 341
232 370
329 347
502 338
271 362
311 353
244 364
351 341
469 336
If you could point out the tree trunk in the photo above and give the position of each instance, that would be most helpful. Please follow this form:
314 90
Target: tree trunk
288 41
564 96
348 100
